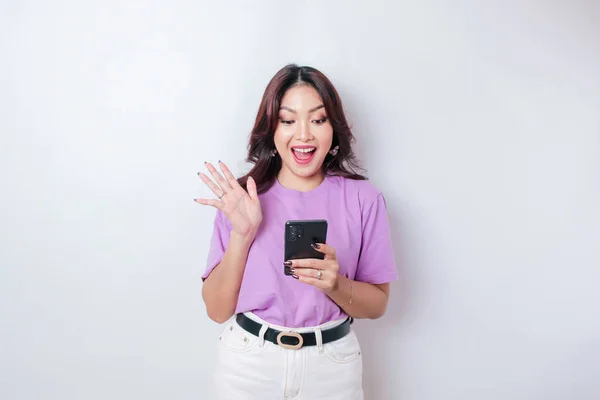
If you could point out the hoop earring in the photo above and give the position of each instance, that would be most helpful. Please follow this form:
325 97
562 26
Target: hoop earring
334 151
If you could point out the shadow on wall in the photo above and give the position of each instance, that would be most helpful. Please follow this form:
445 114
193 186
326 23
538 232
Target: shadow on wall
380 338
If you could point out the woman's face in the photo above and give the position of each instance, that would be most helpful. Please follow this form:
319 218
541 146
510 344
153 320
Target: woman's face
304 134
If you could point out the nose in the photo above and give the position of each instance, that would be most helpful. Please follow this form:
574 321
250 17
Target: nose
303 132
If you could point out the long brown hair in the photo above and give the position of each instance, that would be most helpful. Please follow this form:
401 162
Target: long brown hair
261 145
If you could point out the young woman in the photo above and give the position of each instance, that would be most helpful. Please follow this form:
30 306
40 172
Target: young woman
291 337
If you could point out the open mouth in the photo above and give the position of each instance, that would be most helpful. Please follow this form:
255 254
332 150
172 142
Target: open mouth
303 154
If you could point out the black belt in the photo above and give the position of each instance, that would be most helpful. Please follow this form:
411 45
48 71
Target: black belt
294 340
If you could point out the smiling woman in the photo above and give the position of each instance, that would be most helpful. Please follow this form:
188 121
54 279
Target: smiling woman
292 338
303 119
300 100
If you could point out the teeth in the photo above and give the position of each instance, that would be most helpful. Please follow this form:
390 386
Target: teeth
304 150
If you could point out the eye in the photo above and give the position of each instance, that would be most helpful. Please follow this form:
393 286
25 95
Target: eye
320 121
286 121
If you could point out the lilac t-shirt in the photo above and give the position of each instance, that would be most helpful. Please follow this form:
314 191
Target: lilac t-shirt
358 229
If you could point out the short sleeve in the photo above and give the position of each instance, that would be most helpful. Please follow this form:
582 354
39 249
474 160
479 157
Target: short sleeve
218 243
376 262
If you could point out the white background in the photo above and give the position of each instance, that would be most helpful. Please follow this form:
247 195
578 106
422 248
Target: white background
480 123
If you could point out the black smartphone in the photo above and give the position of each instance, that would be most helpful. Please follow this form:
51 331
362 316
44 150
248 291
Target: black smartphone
300 235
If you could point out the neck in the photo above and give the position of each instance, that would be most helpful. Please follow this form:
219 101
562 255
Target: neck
302 184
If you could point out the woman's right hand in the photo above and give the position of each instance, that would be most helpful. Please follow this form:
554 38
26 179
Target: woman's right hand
240 207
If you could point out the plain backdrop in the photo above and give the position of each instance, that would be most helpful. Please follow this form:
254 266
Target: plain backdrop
480 122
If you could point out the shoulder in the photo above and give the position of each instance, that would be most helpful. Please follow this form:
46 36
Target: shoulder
364 191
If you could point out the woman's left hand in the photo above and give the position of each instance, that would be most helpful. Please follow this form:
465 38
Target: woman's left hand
323 274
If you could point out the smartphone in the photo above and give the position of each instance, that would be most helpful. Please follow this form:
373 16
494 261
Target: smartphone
300 235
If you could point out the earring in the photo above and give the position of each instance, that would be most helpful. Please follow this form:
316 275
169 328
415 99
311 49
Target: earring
273 152
334 151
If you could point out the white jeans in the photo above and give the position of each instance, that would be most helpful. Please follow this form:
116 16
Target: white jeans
251 368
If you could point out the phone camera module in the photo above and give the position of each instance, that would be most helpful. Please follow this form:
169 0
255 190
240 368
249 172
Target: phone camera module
295 232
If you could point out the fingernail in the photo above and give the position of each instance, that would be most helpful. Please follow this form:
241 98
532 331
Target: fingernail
292 270
316 246
295 276
287 263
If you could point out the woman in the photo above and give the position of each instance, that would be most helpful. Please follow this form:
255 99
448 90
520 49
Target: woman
291 336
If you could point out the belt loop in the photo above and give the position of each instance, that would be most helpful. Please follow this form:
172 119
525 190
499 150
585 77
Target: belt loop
319 340
261 335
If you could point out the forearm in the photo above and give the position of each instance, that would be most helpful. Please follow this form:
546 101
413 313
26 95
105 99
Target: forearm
368 300
221 288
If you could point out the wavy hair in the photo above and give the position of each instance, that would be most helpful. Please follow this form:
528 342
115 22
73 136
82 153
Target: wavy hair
261 144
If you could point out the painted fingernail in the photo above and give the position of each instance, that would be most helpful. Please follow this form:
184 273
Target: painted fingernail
287 263
295 276
292 271
316 246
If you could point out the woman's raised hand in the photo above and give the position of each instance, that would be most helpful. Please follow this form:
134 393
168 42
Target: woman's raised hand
241 207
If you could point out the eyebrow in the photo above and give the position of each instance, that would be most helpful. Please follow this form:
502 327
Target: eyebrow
294 111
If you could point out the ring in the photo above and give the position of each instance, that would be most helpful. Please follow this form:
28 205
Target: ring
319 274
222 194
